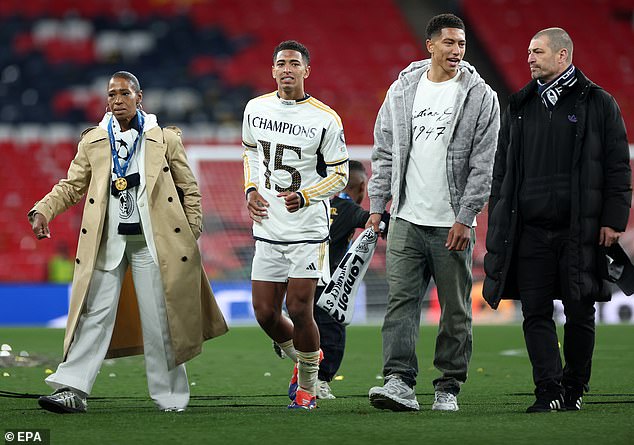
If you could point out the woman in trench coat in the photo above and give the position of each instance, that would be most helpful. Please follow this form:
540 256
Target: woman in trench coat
139 285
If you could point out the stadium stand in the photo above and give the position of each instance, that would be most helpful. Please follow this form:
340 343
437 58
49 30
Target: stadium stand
600 29
199 61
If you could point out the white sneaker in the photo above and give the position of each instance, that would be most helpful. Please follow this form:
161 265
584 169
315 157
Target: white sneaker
323 390
395 395
445 401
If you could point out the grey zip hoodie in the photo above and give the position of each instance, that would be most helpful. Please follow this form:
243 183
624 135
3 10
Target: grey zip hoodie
471 151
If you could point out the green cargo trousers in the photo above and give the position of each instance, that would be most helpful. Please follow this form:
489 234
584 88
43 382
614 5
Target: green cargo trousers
415 254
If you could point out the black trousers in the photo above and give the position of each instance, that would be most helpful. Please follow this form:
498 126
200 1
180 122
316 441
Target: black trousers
332 342
542 273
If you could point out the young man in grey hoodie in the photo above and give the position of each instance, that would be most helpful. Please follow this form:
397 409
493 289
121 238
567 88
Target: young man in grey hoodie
434 144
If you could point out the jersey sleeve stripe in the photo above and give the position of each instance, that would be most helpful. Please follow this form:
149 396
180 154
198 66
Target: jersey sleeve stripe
264 96
247 173
322 186
334 163
328 184
246 144
315 103
304 197
329 111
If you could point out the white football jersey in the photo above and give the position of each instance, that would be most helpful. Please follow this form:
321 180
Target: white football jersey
293 146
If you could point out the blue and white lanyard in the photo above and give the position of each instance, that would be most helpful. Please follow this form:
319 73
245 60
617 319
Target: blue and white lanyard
118 168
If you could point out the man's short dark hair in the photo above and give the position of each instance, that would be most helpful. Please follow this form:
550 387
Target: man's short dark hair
436 24
356 166
136 86
293 45
558 39
354 180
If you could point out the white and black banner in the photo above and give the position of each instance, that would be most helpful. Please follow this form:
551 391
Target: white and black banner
338 297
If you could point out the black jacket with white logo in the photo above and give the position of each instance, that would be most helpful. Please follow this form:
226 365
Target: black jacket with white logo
600 191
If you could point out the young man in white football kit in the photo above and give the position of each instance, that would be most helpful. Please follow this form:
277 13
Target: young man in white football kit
295 158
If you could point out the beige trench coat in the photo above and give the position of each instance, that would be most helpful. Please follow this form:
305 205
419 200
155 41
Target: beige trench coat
192 312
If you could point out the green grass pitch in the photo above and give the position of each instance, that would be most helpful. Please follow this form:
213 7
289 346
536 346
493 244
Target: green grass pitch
239 396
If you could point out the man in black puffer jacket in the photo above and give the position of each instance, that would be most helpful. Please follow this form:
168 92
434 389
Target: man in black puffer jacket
561 193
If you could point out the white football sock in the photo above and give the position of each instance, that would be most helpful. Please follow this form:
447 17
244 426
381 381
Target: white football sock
289 349
307 367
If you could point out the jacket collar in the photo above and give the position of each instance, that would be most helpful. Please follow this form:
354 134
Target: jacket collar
95 134
155 135
517 100
155 148
413 73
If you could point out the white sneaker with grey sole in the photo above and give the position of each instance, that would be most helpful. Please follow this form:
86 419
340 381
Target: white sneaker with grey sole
323 390
445 401
395 395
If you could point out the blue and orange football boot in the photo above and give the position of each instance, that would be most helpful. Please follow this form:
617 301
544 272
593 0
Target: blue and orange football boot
303 400
292 385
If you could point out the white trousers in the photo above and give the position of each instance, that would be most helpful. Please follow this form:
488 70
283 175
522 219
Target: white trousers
168 387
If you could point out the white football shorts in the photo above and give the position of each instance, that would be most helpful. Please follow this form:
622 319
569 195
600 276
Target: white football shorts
279 262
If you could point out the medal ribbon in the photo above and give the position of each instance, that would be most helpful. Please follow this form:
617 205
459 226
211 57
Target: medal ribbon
118 168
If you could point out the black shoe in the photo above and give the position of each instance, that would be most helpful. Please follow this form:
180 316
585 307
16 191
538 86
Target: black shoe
547 403
63 401
573 398
278 350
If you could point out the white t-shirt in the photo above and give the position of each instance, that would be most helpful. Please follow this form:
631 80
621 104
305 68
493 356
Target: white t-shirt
426 200
295 146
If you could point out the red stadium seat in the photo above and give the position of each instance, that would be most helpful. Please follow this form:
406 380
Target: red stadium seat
514 23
